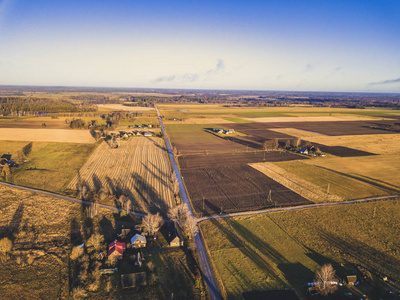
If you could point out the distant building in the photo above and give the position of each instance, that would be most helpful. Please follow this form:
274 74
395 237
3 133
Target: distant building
147 133
352 279
138 241
303 151
116 249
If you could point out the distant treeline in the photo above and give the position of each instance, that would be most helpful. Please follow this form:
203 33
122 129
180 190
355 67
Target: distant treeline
26 106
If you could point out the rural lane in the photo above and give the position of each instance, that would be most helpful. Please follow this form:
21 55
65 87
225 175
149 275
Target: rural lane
271 210
204 261
67 198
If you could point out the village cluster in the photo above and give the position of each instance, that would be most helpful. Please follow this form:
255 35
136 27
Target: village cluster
132 246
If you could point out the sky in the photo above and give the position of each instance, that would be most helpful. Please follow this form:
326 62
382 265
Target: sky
293 45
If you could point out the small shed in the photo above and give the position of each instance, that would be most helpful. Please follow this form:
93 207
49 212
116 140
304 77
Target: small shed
352 279
138 241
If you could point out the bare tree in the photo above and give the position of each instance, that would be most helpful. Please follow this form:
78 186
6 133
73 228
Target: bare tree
191 225
95 241
176 187
275 143
325 281
6 170
151 223
92 210
5 245
173 176
179 213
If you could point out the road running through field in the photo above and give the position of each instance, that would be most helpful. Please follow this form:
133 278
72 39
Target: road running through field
204 261
272 210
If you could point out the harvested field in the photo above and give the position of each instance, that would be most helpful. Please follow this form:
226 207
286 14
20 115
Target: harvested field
347 186
139 168
288 118
235 158
228 184
35 123
325 128
46 135
120 107
295 183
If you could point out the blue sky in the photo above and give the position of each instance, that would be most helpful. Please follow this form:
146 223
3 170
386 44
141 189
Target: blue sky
264 45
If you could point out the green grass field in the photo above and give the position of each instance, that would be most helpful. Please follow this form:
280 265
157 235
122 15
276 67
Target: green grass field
238 120
344 185
189 133
284 249
56 164
215 110
12 147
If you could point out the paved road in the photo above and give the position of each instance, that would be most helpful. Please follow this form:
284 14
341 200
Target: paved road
271 210
204 261
67 198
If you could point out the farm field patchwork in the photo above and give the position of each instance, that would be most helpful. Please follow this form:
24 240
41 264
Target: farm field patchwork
284 249
138 168
224 183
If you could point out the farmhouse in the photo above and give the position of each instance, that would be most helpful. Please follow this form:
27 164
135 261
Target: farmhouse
230 131
175 236
303 151
116 250
138 241
6 158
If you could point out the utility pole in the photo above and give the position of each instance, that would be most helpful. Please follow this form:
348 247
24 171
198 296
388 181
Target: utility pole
269 199
203 203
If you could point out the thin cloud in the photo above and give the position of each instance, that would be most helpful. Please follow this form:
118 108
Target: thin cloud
388 81
192 77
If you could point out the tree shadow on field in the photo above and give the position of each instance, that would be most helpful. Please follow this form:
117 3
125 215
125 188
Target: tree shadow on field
257 259
158 176
374 260
75 234
12 229
106 228
382 185
149 195
157 145
96 183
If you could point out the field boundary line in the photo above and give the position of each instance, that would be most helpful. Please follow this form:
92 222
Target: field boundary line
307 206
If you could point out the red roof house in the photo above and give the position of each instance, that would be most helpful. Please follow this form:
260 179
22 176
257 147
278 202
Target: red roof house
116 249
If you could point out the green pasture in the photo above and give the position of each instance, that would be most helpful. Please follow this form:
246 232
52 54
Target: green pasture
284 249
